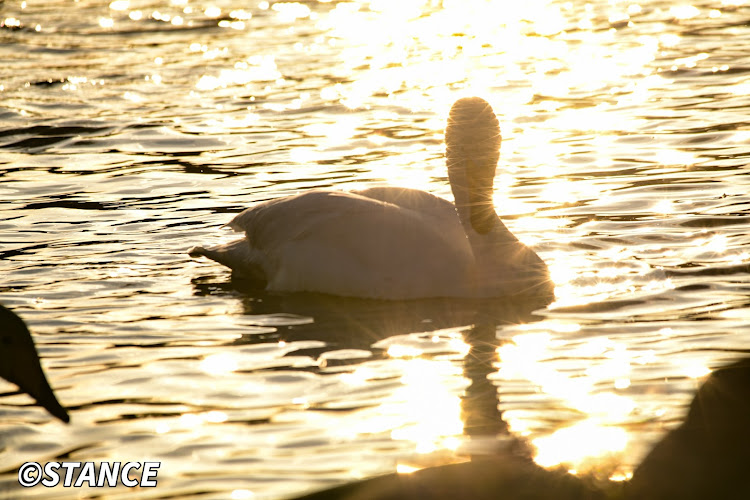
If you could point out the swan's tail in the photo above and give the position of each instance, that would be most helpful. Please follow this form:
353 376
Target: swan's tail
236 255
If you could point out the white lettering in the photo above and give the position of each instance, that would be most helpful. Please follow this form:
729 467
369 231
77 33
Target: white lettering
108 470
88 473
69 467
124 474
149 469
50 470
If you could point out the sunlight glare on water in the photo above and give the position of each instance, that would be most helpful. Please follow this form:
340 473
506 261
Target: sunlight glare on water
132 130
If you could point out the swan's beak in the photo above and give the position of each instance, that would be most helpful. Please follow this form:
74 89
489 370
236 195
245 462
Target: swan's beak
36 385
19 363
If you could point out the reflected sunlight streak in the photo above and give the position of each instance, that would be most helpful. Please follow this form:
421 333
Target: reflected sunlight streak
527 358
424 410
587 439
219 364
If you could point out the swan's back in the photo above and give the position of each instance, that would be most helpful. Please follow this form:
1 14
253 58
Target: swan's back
374 243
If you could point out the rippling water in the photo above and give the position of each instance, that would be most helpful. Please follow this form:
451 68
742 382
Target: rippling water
131 130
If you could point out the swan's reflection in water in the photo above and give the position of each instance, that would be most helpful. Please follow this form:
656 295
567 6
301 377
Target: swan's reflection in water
427 342
358 323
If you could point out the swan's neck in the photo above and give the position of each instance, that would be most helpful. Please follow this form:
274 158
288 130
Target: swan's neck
472 140
502 263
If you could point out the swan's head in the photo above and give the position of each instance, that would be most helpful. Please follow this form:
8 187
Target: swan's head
19 363
472 141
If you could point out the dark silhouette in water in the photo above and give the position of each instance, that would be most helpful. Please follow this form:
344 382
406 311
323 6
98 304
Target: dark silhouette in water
705 458
709 454
19 363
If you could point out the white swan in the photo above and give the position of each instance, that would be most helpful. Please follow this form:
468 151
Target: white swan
19 363
390 242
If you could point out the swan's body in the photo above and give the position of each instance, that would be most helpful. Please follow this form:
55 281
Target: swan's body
19 363
390 242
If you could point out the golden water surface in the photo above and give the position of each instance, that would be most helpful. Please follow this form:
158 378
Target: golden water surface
131 130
